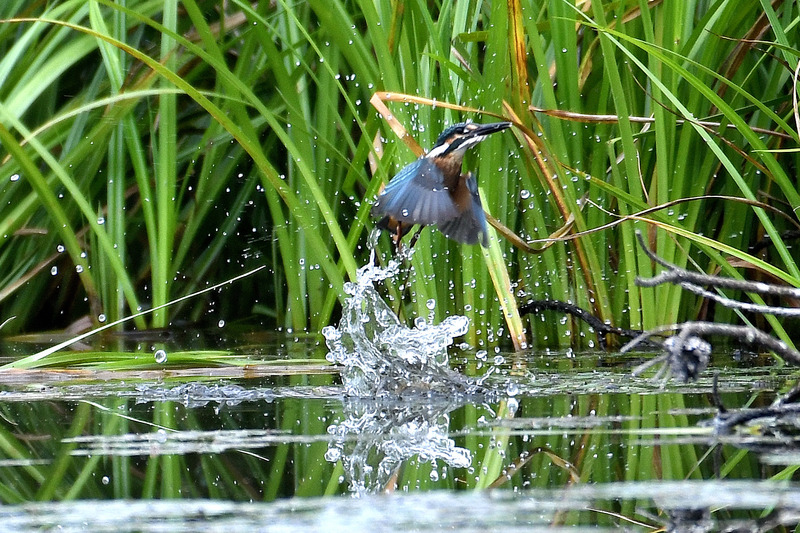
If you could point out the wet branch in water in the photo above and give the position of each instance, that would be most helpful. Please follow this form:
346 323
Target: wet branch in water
686 354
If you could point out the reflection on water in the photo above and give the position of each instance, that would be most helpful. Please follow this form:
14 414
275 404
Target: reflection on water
280 437
681 506
569 440
200 394
376 437
165 442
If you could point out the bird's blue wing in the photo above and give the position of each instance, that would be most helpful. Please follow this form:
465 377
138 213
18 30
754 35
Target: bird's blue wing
417 195
470 226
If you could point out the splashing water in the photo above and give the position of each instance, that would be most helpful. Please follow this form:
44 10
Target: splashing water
388 369
383 357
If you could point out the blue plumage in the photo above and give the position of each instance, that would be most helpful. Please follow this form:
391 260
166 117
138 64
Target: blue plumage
470 226
417 195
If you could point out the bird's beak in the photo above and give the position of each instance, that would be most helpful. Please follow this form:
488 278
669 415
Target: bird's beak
474 134
483 130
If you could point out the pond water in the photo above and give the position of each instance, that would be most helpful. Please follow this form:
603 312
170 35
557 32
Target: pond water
457 440
579 442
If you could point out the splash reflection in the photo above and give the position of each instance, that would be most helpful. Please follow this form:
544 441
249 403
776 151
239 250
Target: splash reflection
375 439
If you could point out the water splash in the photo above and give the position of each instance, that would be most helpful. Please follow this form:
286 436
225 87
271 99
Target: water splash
399 387
383 357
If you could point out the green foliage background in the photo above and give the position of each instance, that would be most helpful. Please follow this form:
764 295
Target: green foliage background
152 148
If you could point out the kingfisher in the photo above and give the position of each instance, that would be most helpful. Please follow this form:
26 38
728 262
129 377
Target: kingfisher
433 190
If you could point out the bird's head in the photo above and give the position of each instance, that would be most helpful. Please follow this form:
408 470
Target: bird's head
458 138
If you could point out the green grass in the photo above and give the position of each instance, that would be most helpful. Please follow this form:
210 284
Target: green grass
152 150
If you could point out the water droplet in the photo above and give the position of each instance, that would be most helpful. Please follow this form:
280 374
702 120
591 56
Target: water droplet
54 271
512 405
160 356
333 455
221 323
512 389
14 177
431 304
